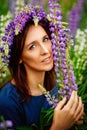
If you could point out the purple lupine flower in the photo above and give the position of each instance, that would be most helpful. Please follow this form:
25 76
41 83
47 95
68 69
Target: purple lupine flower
59 45
8 124
74 16
52 100
4 38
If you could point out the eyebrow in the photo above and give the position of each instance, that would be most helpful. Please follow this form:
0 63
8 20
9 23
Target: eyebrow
36 40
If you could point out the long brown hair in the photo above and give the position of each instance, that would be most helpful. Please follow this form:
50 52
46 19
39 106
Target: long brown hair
17 70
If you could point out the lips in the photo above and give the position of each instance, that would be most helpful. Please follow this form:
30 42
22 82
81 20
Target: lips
46 59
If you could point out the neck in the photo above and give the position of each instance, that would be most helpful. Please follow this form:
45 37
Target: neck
35 78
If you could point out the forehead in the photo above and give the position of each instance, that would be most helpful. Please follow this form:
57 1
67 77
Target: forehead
35 33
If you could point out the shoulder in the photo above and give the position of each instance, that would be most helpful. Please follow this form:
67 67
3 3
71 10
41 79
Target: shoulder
9 95
10 106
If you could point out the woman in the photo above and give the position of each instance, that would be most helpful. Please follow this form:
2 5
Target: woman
31 63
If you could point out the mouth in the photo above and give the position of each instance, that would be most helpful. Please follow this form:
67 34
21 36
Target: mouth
48 59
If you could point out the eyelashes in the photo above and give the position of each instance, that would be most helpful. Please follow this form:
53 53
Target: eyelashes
35 43
46 39
32 46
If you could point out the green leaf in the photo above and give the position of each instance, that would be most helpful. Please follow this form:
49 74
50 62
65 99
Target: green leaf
31 127
46 117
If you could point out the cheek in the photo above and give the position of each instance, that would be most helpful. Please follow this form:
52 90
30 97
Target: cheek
50 47
30 62
30 59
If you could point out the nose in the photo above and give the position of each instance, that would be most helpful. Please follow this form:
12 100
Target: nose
44 49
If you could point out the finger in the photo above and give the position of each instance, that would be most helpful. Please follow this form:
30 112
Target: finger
61 103
80 110
80 106
72 100
81 118
79 115
75 104
79 122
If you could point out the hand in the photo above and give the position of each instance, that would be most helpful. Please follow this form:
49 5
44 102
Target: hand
65 116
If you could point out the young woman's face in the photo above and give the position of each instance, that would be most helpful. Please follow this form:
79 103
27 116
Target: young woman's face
37 52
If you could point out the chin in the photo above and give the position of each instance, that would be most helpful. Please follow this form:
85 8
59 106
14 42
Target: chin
48 68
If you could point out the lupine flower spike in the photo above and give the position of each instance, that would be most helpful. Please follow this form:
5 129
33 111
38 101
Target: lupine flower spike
52 100
63 67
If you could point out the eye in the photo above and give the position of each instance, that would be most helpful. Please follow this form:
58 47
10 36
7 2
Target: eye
45 39
32 47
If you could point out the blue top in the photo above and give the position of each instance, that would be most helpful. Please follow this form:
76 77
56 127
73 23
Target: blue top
21 113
